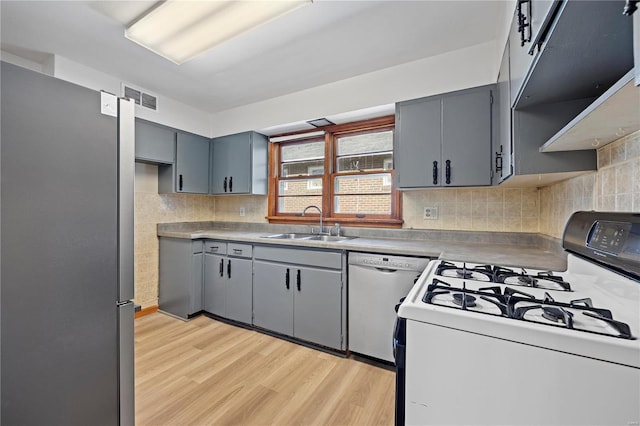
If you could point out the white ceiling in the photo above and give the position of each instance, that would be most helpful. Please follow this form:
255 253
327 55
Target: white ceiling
323 42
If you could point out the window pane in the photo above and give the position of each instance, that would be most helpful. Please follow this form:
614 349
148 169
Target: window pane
297 204
379 161
365 143
363 184
303 168
363 204
302 151
300 187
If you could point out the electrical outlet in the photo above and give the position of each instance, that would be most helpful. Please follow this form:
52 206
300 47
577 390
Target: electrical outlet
241 211
430 213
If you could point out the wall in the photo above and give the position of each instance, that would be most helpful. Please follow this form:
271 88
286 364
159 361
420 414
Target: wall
614 187
152 208
469 67
170 112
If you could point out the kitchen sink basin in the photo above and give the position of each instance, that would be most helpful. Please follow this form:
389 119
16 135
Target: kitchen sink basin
329 238
290 236
308 237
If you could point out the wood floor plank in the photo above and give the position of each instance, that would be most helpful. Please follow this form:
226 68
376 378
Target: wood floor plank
205 372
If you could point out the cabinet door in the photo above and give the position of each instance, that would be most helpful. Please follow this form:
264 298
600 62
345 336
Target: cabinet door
273 297
154 143
520 60
238 301
215 283
192 164
417 148
318 306
231 164
503 148
466 138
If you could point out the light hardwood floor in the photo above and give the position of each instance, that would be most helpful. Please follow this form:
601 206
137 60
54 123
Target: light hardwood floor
206 372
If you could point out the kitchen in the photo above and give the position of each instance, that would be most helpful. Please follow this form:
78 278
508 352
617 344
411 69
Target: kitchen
515 207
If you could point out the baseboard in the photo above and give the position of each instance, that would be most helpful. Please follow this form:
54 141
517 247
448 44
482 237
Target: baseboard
146 311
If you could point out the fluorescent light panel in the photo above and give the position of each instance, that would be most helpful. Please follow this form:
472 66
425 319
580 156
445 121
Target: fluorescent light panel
181 29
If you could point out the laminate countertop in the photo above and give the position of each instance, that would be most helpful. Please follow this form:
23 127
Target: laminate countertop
506 249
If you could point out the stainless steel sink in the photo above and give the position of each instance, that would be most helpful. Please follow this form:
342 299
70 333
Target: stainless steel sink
290 236
329 238
308 237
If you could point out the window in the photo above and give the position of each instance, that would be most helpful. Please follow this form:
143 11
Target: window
348 172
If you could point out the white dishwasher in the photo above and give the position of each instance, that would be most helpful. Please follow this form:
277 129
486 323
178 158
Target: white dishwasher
376 283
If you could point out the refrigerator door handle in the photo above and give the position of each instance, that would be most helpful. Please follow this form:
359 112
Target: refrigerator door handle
126 176
126 382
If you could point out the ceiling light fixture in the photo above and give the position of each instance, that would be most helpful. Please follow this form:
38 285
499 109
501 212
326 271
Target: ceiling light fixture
181 29
320 122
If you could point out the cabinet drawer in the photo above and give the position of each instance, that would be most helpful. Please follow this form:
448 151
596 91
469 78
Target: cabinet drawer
196 246
300 256
215 247
239 250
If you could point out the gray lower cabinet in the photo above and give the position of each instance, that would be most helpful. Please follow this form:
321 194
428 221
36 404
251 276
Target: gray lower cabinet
180 278
305 301
155 143
239 164
228 280
445 140
190 172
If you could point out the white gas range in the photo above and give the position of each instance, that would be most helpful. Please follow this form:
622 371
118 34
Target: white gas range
485 344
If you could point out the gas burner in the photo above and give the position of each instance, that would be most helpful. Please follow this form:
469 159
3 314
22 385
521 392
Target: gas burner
556 315
463 273
476 273
544 280
464 300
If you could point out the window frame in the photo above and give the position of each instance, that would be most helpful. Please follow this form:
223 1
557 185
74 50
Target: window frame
332 134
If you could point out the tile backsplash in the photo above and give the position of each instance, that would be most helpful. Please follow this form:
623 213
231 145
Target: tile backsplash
614 187
474 209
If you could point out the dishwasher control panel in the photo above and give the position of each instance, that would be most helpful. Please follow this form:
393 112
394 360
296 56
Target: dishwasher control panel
388 262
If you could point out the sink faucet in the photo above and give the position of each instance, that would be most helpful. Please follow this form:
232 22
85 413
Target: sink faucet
319 211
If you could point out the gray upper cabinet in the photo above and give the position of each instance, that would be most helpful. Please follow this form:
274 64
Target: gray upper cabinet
444 140
503 148
190 172
155 143
584 50
524 42
466 138
418 148
239 164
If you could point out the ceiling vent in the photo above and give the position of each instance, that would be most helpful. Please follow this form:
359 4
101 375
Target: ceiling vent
140 96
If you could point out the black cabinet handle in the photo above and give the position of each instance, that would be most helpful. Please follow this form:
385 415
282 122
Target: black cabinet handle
447 172
286 279
230 183
180 183
221 267
229 269
435 172
298 279
499 161
224 185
